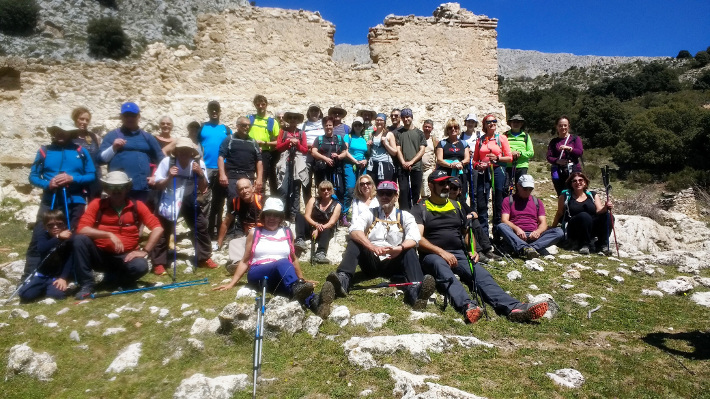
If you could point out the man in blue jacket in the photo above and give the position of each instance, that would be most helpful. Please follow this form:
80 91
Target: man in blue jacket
132 150
63 170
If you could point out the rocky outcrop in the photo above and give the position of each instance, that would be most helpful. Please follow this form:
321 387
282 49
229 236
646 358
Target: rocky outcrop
23 359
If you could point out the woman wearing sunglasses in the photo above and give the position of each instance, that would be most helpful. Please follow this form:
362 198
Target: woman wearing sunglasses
364 194
583 216
318 221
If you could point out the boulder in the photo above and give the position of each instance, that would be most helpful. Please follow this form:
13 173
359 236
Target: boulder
371 321
198 386
203 326
340 315
13 270
127 359
676 286
552 307
283 315
701 298
23 359
569 378
312 324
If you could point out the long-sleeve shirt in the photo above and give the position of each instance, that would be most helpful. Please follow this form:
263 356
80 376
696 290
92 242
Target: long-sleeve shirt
553 150
485 146
521 142
141 149
53 160
283 143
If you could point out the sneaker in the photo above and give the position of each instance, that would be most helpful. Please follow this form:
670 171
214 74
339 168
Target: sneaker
529 253
84 292
159 270
321 258
344 221
472 314
334 278
426 289
584 250
300 243
300 290
209 263
320 304
527 312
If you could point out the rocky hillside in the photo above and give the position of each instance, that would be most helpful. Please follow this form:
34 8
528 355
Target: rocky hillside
61 31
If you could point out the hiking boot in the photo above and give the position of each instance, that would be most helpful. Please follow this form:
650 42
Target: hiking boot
472 313
320 304
426 289
320 258
482 258
159 270
300 244
529 253
337 279
84 292
209 263
526 312
606 251
584 250
492 255
300 290
344 221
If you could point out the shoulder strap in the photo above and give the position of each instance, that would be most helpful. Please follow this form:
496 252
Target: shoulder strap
270 124
257 236
252 118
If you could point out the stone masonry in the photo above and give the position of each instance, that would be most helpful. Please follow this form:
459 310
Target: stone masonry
440 66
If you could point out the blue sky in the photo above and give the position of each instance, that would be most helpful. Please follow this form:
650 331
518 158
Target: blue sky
621 27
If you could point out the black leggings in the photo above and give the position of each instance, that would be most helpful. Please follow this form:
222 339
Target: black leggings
583 227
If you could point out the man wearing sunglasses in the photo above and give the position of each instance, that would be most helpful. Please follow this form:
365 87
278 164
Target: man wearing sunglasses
524 224
383 242
441 224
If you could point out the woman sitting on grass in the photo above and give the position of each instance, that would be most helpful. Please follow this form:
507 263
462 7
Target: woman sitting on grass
270 253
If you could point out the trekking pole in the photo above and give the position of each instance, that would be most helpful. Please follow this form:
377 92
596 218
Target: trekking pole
66 208
477 295
409 184
385 285
609 220
34 272
259 334
314 235
195 209
54 197
152 288
175 230
470 182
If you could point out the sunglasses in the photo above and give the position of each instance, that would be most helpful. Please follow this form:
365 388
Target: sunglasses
394 116
272 214
365 183
455 128
578 181
113 187
385 193
325 190
243 124
491 122
55 225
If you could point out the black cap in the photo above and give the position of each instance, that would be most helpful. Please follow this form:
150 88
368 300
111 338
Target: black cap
438 175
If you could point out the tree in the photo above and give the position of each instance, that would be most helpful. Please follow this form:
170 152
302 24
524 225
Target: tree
107 39
601 120
703 81
18 17
683 54
702 58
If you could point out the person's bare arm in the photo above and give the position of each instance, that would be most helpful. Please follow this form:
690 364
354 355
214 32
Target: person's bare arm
560 210
226 222
242 267
222 172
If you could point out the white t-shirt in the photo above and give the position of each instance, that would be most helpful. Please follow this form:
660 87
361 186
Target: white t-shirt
358 207
313 130
184 176
271 246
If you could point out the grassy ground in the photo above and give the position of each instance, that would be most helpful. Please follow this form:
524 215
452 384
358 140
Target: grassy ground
633 346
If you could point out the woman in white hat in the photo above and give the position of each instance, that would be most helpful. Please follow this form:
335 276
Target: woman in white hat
177 176
270 253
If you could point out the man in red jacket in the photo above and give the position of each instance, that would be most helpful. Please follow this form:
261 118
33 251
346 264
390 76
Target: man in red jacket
108 237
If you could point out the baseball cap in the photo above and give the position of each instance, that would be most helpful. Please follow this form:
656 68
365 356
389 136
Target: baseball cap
130 108
471 117
526 181
358 119
387 185
273 204
438 175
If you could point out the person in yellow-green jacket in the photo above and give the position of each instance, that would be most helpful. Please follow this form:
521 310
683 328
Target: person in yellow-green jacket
521 147
265 130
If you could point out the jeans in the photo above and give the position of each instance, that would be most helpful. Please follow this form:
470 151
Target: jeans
483 192
583 227
548 237
281 275
88 257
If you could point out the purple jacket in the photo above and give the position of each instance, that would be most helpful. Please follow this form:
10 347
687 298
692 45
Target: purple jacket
553 150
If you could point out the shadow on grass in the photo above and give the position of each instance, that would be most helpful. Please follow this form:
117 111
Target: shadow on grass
699 341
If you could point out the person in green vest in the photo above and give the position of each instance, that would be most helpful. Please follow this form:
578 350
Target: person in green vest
521 147
264 130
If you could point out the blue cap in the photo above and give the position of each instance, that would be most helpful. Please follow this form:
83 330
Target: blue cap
130 107
406 112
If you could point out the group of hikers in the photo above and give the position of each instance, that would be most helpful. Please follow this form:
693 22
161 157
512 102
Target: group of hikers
416 207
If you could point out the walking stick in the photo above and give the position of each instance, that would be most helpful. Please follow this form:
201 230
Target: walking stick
314 235
409 184
155 287
609 220
385 285
476 294
471 189
195 209
66 208
54 197
175 229
259 334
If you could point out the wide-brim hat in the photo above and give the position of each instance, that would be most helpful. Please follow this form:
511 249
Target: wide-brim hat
63 123
298 115
316 106
116 178
184 142
337 109
364 112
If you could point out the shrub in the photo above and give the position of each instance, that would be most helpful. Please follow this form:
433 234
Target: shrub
173 26
107 40
703 81
109 3
683 54
18 17
702 58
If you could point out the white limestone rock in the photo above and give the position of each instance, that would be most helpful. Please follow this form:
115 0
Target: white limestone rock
113 331
92 323
569 378
651 293
567 286
127 359
203 326
340 315
408 385
701 298
602 272
581 299
17 312
22 359
312 325
514 275
74 336
534 266
675 286
618 279
572 274
13 271
48 301
414 315
371 321
284 315
533 287
196 344
62 311
198 386
552 307
246 292
623 270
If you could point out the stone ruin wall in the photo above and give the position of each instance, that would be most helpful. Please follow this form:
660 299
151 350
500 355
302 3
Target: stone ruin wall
439 66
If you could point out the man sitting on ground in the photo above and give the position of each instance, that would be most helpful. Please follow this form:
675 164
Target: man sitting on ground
108 237
440 223
383 243
524 224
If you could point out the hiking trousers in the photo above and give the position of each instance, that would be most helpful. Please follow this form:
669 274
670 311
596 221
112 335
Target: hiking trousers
548 237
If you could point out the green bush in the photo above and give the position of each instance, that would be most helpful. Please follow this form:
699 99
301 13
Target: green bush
703 81
683 54
107 39
18 17
702 58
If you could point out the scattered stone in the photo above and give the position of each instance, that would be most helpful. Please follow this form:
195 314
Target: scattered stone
3 325
203 326
184 306
534 266
340 316
196 344
407 385
128 308
514 275
13 255
127 359
704 281
190 312
41 319
199 386
579 266
13 271
112 316
567 286
701 298
624 271
569 378
549 257
602 272
312 324
64 310
676 286
371 321
15 313
566 256
23 359
618 279
163 313
48 301
580 299
552 250
572 273
414 315
177 354
113 331
366 392
283 315
74 336
148 295
93 323
533 287
245 292
651 293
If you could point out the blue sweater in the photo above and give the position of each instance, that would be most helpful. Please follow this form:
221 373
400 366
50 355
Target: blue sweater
68 159
141 149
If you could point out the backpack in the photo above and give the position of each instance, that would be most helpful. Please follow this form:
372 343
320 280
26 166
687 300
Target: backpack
231 138
457 207
525 140
497 137
257 237
269 122
338 145
375 212
43 155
